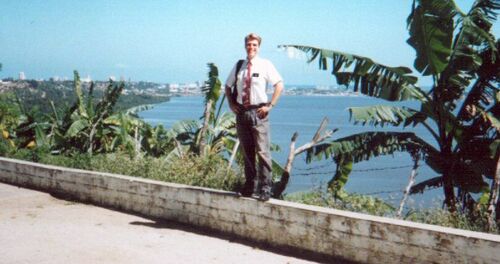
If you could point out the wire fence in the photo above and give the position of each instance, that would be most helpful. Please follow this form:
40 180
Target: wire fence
392 195
313 170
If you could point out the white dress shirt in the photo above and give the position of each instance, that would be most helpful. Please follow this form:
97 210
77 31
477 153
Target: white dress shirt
262 73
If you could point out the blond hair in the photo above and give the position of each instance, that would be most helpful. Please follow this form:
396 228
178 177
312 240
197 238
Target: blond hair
252 36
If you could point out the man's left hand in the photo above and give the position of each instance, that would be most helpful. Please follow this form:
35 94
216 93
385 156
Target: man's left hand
263 111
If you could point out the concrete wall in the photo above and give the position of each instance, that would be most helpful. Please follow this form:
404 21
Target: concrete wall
326 232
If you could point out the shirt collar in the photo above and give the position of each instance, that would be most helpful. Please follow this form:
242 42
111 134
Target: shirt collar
253 60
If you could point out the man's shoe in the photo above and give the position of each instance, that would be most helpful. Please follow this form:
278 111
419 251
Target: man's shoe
246 193
264 196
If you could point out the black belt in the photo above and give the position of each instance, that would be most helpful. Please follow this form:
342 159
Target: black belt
251 107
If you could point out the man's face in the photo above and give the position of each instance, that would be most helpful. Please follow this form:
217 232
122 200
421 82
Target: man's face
252 48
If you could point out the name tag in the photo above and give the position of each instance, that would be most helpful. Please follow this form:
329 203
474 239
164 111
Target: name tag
255 74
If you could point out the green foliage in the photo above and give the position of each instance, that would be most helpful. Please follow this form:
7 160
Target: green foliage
436 216
474 220
381 115
455 48
339 180
366 76
6 148
35 154
40 94
363 146
10 112
431 32
343 201
207 171
212 89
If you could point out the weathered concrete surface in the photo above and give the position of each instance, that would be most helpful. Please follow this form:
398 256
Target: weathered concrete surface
38 228
305 229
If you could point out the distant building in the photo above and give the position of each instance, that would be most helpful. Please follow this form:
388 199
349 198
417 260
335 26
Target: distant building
22 77
87 79
173 87
113 78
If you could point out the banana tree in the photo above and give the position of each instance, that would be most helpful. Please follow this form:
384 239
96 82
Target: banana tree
83 126
216 132
10 113
458 50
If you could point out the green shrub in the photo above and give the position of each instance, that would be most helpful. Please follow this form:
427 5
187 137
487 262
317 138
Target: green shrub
5 148
75 160
476 221
345 201
35 155
208 171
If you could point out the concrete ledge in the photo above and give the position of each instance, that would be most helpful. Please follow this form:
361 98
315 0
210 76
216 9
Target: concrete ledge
326 232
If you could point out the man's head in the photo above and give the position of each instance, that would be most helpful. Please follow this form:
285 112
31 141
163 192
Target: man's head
252 45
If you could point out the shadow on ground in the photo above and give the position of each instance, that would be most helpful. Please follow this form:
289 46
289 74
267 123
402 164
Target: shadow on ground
166 224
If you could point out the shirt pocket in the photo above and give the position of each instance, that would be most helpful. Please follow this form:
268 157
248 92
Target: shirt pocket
258 81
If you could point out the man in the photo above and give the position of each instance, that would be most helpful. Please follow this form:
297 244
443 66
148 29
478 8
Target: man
252 108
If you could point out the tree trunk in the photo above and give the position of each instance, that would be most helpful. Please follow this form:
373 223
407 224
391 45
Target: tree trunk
280 186
137 142
493 202
202 138
406 193
233 154
91 139
449 192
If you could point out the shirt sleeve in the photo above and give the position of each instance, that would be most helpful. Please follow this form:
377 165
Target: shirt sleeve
273 75
230 81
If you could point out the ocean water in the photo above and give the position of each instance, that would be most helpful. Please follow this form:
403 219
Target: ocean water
385 177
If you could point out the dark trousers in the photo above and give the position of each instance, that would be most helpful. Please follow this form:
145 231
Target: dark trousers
254 135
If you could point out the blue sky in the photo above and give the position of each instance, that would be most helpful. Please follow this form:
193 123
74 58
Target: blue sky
171 41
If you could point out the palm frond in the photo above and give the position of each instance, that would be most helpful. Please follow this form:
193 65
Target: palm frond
473 36
76 127
431 32
479 21
366 76
435 182
185 131
105 106
363 146
483 94
212 88
79 94
381 115
339 180
226 123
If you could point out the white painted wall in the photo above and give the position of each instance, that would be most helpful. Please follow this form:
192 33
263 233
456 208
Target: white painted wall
310 229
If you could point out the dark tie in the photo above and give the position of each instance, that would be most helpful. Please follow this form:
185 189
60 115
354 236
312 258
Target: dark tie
246 89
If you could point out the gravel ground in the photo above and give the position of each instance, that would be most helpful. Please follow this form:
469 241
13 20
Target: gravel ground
35 227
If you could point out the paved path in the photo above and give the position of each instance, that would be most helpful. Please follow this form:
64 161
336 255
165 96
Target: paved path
38 228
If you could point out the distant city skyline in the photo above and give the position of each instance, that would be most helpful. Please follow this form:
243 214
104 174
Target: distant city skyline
172 41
